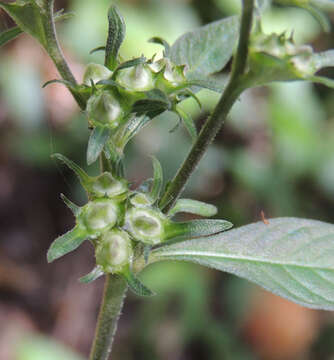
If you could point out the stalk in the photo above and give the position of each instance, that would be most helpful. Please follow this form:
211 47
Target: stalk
217 119
56 54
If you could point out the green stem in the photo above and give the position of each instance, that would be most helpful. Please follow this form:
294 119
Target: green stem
56 54
217 118
113 297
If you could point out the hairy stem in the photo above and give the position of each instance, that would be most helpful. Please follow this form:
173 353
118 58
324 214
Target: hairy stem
56 54
113 297
217 118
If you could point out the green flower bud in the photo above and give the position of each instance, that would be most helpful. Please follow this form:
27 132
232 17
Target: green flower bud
103 107
140 199
146 224
114 251
136 78
169 74
100 215
95 72
107 185
276 58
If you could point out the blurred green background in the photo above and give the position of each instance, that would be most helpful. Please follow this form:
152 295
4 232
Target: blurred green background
275 153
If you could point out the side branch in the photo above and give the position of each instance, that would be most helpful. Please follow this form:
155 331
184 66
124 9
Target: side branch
216 120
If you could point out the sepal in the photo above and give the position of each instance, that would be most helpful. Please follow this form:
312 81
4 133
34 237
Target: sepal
73 207
161 41
92 276
136 285
66 243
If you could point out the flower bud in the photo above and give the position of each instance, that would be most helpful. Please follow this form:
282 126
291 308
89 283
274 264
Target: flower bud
95 72
145 224
140 199
136 78
103 107
107 185
114 251
170 75
100 214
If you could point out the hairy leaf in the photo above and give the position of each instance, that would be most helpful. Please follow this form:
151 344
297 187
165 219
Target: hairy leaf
116 34
193 207
290 257
176 231
188 123
207 49
157 179
96 142
66 243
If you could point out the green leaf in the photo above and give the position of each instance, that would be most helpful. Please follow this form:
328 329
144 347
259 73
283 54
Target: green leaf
13 32
128 64
157 180
161 41
290 257
92 276
322 80
96 142
66 243
31 17
99 48
208 49
176 231
10 34
208 83
150 107
73 207
81 174
188 123
323 59
193 207
136 285
116 34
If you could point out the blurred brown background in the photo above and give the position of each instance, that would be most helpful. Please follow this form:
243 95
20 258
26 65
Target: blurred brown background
276 154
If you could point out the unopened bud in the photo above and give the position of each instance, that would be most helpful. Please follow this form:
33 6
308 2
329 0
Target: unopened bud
107 185
114 251
96 72
100 214
145 224
136 78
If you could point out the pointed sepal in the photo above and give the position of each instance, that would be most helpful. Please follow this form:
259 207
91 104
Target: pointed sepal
73 207
136 285
85 180
92 276
96 142
161 41
193 207
66 243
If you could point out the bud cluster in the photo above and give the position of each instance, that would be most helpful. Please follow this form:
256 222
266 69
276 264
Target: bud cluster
117 219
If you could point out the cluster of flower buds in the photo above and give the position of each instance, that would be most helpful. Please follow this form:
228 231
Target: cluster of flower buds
276 57
117 220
